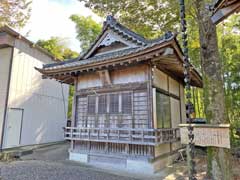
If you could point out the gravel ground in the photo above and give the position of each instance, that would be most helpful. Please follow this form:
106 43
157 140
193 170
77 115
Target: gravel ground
50 163
42 170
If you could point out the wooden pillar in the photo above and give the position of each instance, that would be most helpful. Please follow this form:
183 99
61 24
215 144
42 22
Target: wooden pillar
154 108
180 102
74 103
170 109
150 96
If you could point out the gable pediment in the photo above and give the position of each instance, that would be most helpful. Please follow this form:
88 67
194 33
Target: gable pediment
109 42
109 39
114 37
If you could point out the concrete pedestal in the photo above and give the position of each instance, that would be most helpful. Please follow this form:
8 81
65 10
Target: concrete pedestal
131 165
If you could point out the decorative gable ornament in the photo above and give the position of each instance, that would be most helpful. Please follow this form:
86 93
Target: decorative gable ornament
108 40
119 46
114 33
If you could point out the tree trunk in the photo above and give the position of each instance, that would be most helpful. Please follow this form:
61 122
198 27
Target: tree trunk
214 103
194 101
198 105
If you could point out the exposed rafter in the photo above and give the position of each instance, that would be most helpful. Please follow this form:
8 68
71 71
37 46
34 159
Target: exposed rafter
224 8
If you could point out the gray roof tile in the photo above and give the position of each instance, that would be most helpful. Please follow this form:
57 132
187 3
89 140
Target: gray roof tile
108 56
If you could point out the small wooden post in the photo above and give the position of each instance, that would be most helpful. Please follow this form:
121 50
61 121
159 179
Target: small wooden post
108 134
73 112
98 134
71 135
130 135
118 134
127 148
88 130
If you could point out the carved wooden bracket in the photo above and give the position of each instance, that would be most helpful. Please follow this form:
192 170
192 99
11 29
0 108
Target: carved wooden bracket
105 77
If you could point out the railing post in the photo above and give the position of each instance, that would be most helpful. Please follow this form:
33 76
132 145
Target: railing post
130 135
118 134
155 133
88 130
107 134
175 134
161 138
98 134
169 135
71 135
127 149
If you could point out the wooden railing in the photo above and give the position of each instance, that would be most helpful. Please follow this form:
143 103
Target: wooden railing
123 136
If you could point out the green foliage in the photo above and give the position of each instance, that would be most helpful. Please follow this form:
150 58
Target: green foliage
14 13
70 101
69 54
58 49
87 30
149 18
229 43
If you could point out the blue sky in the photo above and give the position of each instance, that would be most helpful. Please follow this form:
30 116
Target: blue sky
51 18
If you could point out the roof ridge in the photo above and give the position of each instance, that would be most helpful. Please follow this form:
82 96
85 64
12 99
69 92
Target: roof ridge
166 35
112 23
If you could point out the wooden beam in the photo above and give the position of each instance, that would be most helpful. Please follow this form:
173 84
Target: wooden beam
105 77
112 135
224 12
66 79
166 60
168 51
140 56
113 88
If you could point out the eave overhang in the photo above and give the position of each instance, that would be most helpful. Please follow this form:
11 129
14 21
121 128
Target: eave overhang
224 8
172 64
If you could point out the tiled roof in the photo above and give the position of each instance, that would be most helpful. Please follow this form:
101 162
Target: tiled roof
111 23
139 48
125 30
108 56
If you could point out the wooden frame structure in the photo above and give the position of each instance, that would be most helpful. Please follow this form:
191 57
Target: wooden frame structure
151 137
224 8
115 112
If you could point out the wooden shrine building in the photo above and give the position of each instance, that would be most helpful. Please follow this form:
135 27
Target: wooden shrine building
129 98
224 8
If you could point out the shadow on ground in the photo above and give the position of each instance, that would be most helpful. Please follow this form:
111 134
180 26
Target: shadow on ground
51 163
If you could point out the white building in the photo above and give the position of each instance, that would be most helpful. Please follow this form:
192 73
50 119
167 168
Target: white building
32 110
